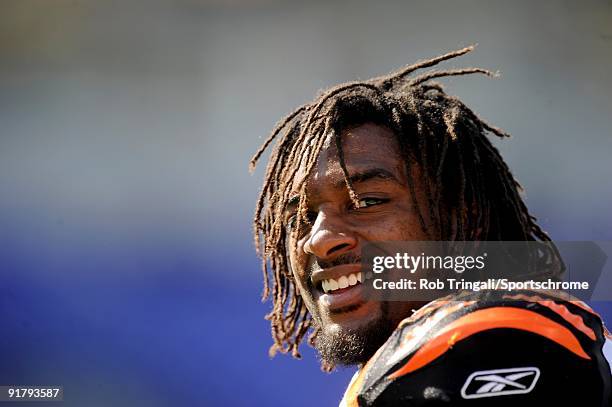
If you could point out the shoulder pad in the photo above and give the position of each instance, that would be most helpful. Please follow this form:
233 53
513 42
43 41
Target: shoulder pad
438 347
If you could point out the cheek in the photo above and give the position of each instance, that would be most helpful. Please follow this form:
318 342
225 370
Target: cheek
299 262
399 225
410 231
299 269
406 221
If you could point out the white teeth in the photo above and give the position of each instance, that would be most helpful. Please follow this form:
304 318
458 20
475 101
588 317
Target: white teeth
342 282
333 284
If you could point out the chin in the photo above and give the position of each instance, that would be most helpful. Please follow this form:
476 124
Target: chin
354 318
352 341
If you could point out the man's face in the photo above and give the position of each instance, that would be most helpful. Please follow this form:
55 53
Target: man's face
331 247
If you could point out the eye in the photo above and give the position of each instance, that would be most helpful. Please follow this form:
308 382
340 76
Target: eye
370 201
291 221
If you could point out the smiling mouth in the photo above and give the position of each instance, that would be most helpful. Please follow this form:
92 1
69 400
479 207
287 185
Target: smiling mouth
342 283
343 293
332 285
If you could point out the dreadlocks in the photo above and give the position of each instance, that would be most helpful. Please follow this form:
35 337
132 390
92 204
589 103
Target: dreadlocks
463 173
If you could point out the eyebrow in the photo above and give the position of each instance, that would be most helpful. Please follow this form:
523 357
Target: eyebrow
366 175
355 178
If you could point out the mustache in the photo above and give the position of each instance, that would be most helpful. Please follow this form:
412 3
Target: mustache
347 258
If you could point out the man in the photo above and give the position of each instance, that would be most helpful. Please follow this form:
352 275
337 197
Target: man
395 158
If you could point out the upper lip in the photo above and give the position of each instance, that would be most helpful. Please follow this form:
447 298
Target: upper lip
334 272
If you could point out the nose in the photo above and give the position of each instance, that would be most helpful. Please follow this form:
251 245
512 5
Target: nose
329 236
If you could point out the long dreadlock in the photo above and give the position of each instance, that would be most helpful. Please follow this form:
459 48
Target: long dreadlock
462 171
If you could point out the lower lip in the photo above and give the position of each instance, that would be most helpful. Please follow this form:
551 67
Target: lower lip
342 298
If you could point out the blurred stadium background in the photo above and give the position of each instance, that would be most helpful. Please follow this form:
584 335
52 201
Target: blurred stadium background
127 272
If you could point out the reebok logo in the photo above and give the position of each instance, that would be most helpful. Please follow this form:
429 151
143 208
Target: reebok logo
500 382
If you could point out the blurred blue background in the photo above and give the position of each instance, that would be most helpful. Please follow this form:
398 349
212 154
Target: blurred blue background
127 271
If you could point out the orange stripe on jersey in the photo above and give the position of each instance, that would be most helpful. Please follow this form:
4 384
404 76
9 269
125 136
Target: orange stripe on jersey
416 332
562 296
485 319
561 310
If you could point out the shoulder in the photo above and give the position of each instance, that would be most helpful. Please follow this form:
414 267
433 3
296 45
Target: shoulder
531 346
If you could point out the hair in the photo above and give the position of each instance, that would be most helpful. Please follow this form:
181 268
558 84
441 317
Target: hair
464 174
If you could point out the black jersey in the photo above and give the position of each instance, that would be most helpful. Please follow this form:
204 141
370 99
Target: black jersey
484 349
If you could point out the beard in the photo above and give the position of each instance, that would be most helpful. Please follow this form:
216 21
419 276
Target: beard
353 347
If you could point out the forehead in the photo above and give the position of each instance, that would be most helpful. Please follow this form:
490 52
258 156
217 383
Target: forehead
363 147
